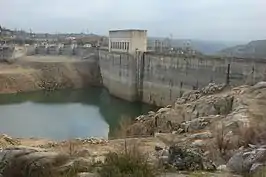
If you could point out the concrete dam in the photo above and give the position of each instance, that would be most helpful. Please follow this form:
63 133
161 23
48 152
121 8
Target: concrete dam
159 79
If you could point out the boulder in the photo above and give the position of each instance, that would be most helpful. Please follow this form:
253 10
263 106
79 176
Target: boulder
20 161
163 110
247 160
186 159
259 85
202 135
198 143
86 174
93 140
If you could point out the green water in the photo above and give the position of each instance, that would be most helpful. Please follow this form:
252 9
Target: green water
65 114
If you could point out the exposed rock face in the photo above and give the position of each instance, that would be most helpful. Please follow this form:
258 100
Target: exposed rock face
234 116
198 110
194 111
63 72
32 162
196 94
5 141
48 73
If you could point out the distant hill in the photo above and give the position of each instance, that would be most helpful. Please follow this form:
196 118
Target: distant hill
204 46
254 49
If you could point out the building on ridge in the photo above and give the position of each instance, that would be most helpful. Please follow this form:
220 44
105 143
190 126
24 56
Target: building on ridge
130 40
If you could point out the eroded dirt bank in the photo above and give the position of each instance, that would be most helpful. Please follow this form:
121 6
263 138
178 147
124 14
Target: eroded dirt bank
47 72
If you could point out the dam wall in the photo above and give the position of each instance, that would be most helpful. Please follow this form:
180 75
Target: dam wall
168 77
148 77
118 71
160 79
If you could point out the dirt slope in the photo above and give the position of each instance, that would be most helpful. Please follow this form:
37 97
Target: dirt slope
36 73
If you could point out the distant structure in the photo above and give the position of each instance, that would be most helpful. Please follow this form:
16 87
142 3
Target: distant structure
158 46
187 45
163 45
130 40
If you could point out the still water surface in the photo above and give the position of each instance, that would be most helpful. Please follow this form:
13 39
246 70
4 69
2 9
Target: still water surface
65 114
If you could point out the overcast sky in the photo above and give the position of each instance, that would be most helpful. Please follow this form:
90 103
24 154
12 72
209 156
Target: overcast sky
240 20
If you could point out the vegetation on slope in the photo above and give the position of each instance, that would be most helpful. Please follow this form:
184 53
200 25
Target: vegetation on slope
254 49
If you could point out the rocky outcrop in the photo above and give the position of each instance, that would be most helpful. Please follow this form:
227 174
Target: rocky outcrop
182 158
216 123
6 141
20 161
249 160
195 109
193 95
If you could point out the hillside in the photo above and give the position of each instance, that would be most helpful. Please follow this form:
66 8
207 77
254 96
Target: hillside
254 49
204 46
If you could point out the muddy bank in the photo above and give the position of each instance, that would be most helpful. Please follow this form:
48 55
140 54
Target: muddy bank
47 72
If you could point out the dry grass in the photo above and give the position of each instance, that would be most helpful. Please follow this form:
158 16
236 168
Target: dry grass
121 131
71 148
130 162
221 140
255 133
220 146
225 143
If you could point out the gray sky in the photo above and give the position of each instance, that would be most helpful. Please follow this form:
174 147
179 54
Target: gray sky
239 20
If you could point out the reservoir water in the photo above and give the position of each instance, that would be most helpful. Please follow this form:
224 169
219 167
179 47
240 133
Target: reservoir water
65 114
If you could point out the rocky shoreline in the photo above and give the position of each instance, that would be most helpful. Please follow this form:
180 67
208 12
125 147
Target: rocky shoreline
216 131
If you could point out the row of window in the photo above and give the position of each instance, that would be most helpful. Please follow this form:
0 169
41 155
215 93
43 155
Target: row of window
120 45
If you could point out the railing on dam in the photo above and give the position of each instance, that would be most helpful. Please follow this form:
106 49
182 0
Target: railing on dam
67 50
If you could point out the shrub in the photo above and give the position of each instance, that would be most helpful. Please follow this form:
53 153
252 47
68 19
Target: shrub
221 140
130 163
225 142
255 133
